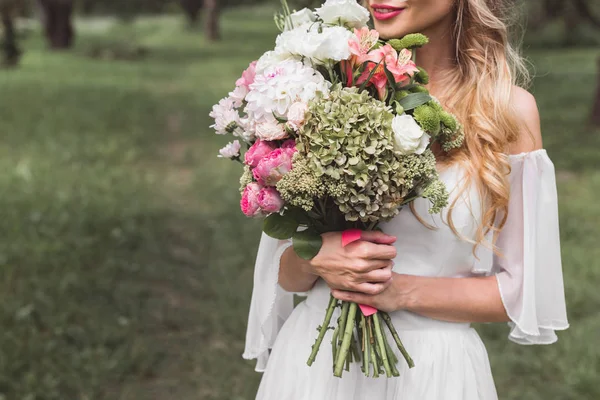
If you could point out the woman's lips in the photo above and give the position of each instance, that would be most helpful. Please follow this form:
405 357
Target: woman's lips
383 12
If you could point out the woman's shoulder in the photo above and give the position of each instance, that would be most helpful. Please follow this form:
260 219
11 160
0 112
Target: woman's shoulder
530 134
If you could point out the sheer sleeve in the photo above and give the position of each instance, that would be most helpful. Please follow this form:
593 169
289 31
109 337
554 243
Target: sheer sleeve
529 272
270 305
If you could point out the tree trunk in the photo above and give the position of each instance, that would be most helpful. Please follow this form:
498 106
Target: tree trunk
192 11
595 118
9 42
211 27
57 22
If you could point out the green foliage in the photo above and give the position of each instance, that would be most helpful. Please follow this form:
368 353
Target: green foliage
307 243
280 226
428 118
410 41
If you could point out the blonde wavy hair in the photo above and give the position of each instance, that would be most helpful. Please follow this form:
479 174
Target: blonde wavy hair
478 91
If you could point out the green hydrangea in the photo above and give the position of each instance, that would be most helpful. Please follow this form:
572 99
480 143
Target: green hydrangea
438 195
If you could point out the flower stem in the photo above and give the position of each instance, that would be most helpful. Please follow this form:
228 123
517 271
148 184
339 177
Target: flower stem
322 330
390 325
392 356
350 311
365 345
371 345
381 345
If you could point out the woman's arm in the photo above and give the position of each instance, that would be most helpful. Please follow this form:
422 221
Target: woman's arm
295 273
474 299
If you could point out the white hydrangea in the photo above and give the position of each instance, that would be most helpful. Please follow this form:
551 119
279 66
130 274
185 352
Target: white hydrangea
409 138
271 58
344 12
317 44
226 117
278 87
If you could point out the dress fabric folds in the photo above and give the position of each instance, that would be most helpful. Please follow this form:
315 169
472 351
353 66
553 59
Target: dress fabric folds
451 361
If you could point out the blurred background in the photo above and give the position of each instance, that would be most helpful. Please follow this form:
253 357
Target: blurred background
125 264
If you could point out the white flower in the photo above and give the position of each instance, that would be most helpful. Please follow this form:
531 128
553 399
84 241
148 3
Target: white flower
346 12
409 138
271 58
248 127
299 18
297 115
225 115
270 129
319 44
278 87
238 95
232 150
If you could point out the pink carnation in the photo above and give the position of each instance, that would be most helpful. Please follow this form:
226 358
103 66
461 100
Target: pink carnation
289 144
249 202
257 152
273 167
269 200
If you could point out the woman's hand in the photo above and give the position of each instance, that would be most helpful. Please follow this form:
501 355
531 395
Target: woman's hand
364 266
395 297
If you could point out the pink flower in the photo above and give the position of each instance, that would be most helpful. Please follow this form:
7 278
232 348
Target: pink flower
257 152
274 166
360 44
297 115
289 144
270 130
248 75
400 66
249 201
269 200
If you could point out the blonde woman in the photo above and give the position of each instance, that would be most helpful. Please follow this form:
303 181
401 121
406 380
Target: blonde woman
492 256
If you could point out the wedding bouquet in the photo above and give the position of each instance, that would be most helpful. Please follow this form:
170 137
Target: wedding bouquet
338 129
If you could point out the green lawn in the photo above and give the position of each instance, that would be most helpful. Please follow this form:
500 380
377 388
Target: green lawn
125 265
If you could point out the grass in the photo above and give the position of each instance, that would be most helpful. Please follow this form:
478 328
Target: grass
125 268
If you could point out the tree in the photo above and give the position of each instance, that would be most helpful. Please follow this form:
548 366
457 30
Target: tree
56 15
8 9
192 10
595 119
212 28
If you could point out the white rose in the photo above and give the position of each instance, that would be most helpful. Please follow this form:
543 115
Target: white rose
297 115
348 12
232 150
270 130
409 138
299 18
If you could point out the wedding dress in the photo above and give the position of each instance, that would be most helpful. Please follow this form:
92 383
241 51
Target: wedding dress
451 360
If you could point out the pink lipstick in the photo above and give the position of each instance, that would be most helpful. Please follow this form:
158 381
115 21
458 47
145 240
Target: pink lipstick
384 12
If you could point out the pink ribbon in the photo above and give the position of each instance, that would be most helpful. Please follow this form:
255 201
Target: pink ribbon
350 236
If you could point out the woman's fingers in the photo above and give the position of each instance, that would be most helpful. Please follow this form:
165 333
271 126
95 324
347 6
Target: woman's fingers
372 251
377 237
372 289
378 275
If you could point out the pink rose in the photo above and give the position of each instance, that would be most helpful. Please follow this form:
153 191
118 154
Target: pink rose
270 130
297 115
248 76
269 200
273 167
257 152
249 202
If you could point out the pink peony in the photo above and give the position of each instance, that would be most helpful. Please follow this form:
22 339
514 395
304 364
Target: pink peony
257 152
270 130
297 115
272 167
248 75
289 144
269 200
249 202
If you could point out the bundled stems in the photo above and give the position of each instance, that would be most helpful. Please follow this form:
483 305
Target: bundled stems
348 309
322 330
390 325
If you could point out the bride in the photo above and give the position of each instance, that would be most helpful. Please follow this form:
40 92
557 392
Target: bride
492 256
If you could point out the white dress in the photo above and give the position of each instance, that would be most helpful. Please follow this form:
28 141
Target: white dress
451 360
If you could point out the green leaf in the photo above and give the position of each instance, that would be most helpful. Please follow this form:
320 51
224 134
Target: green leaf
281 120
307 244
414 100
391 80
280 226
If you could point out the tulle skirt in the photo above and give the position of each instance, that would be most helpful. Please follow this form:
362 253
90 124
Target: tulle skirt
451 362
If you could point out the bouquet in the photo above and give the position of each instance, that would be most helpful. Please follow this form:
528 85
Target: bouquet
337 126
